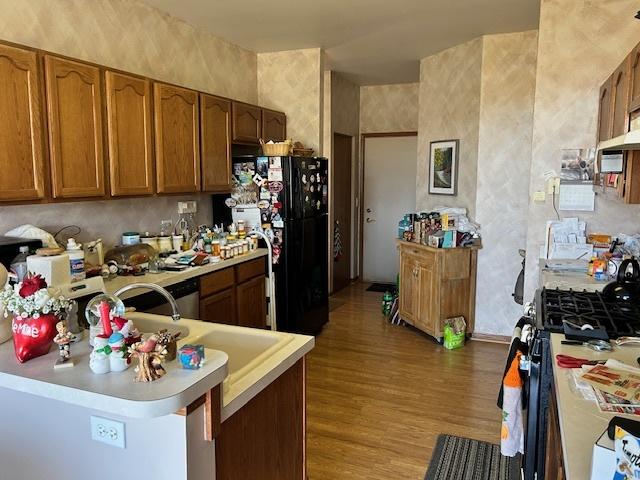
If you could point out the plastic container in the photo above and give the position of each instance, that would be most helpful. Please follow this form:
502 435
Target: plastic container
76 260
19 263
130 238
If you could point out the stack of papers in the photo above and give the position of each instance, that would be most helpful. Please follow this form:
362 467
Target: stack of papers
573 266
567 239
616 386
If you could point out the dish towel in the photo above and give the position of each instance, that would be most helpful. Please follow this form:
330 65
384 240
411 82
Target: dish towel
512 432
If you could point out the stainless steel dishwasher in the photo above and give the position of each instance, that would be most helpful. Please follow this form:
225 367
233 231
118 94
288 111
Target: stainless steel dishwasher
186 294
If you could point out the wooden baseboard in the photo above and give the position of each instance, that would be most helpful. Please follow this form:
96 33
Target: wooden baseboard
487 337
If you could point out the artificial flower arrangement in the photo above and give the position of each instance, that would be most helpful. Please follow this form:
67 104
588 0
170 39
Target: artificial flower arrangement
36 309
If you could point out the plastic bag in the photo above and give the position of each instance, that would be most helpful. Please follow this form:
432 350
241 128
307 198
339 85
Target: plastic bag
29 231
455 331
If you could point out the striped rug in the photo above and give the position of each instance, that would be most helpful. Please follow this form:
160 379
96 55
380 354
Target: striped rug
457 458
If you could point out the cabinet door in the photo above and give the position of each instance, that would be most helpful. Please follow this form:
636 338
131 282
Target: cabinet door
219 308
21 151
215 143
247 123
129 127
620 100
634 79
251 302
409 288
74 108
177 139
274 125
604 111
428 317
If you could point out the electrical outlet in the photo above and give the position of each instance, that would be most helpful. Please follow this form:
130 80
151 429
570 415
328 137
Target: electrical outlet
108 431
553 185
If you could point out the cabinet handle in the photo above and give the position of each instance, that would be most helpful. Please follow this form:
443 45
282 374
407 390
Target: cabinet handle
415 272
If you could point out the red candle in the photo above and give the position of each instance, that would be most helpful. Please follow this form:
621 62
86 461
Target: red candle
105 317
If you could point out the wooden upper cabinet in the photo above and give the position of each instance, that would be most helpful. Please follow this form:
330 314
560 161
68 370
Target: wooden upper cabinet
634 79
620 100
177 139
247 123
21 151
74 109
604 111
129 127
274 125
215 143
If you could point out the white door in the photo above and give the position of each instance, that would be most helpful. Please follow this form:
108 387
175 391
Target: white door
389 193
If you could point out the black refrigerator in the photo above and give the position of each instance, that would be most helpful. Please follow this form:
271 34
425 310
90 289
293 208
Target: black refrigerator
290 195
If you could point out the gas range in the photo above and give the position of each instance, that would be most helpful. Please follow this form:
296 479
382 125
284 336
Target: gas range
580 308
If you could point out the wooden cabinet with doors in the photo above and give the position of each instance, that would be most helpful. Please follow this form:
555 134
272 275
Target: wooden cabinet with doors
235 295
620 100
215 143
274 125
129 127
437 284
21 137
247 123
634 79
604 111
177 139
74 110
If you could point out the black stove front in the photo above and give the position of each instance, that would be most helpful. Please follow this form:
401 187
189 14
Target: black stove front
580 308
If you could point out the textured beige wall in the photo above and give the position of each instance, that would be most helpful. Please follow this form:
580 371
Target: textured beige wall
292 81
130 36
389 108
450 109
504 156
581 42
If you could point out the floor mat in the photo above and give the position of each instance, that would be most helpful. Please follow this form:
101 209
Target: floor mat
381 287
458 458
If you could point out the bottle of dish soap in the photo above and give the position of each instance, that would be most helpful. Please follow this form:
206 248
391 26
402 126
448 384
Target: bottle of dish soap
76 259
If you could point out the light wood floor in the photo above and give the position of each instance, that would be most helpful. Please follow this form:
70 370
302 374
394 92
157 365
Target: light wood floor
378 395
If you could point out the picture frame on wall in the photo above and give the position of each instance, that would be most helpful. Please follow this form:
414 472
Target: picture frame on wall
443 167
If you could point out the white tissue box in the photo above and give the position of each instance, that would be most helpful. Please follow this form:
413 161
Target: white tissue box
603 463
56 270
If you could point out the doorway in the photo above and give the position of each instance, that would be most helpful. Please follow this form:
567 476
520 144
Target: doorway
389 191
341 241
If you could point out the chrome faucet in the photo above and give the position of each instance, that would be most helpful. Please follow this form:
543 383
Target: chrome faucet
152 286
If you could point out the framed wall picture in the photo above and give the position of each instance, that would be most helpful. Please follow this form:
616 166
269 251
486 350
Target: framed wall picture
443 167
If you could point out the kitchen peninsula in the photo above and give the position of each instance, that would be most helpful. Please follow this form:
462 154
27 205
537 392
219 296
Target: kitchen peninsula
190 424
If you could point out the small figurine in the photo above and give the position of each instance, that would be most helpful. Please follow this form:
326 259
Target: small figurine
150 355
169 341
63 339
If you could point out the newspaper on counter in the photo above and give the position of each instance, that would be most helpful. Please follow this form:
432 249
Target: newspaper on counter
616 381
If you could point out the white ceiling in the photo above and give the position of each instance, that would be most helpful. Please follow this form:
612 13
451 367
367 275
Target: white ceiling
370 41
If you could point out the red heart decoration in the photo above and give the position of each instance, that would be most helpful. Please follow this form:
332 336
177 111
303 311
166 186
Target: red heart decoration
32 337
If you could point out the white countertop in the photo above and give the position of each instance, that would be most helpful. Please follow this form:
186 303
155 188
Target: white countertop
115 393
581 422
575 281
164 279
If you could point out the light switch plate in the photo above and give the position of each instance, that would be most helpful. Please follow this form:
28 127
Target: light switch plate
187 207
108 431
539 196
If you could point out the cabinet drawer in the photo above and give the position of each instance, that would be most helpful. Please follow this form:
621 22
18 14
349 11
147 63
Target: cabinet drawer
216 281
247 270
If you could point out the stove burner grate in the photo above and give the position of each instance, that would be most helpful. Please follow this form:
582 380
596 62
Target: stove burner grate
580 308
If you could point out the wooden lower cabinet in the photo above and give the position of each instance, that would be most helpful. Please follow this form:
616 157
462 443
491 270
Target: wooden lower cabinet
251 303
436 284
235 295
265 439
219 307
554 463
